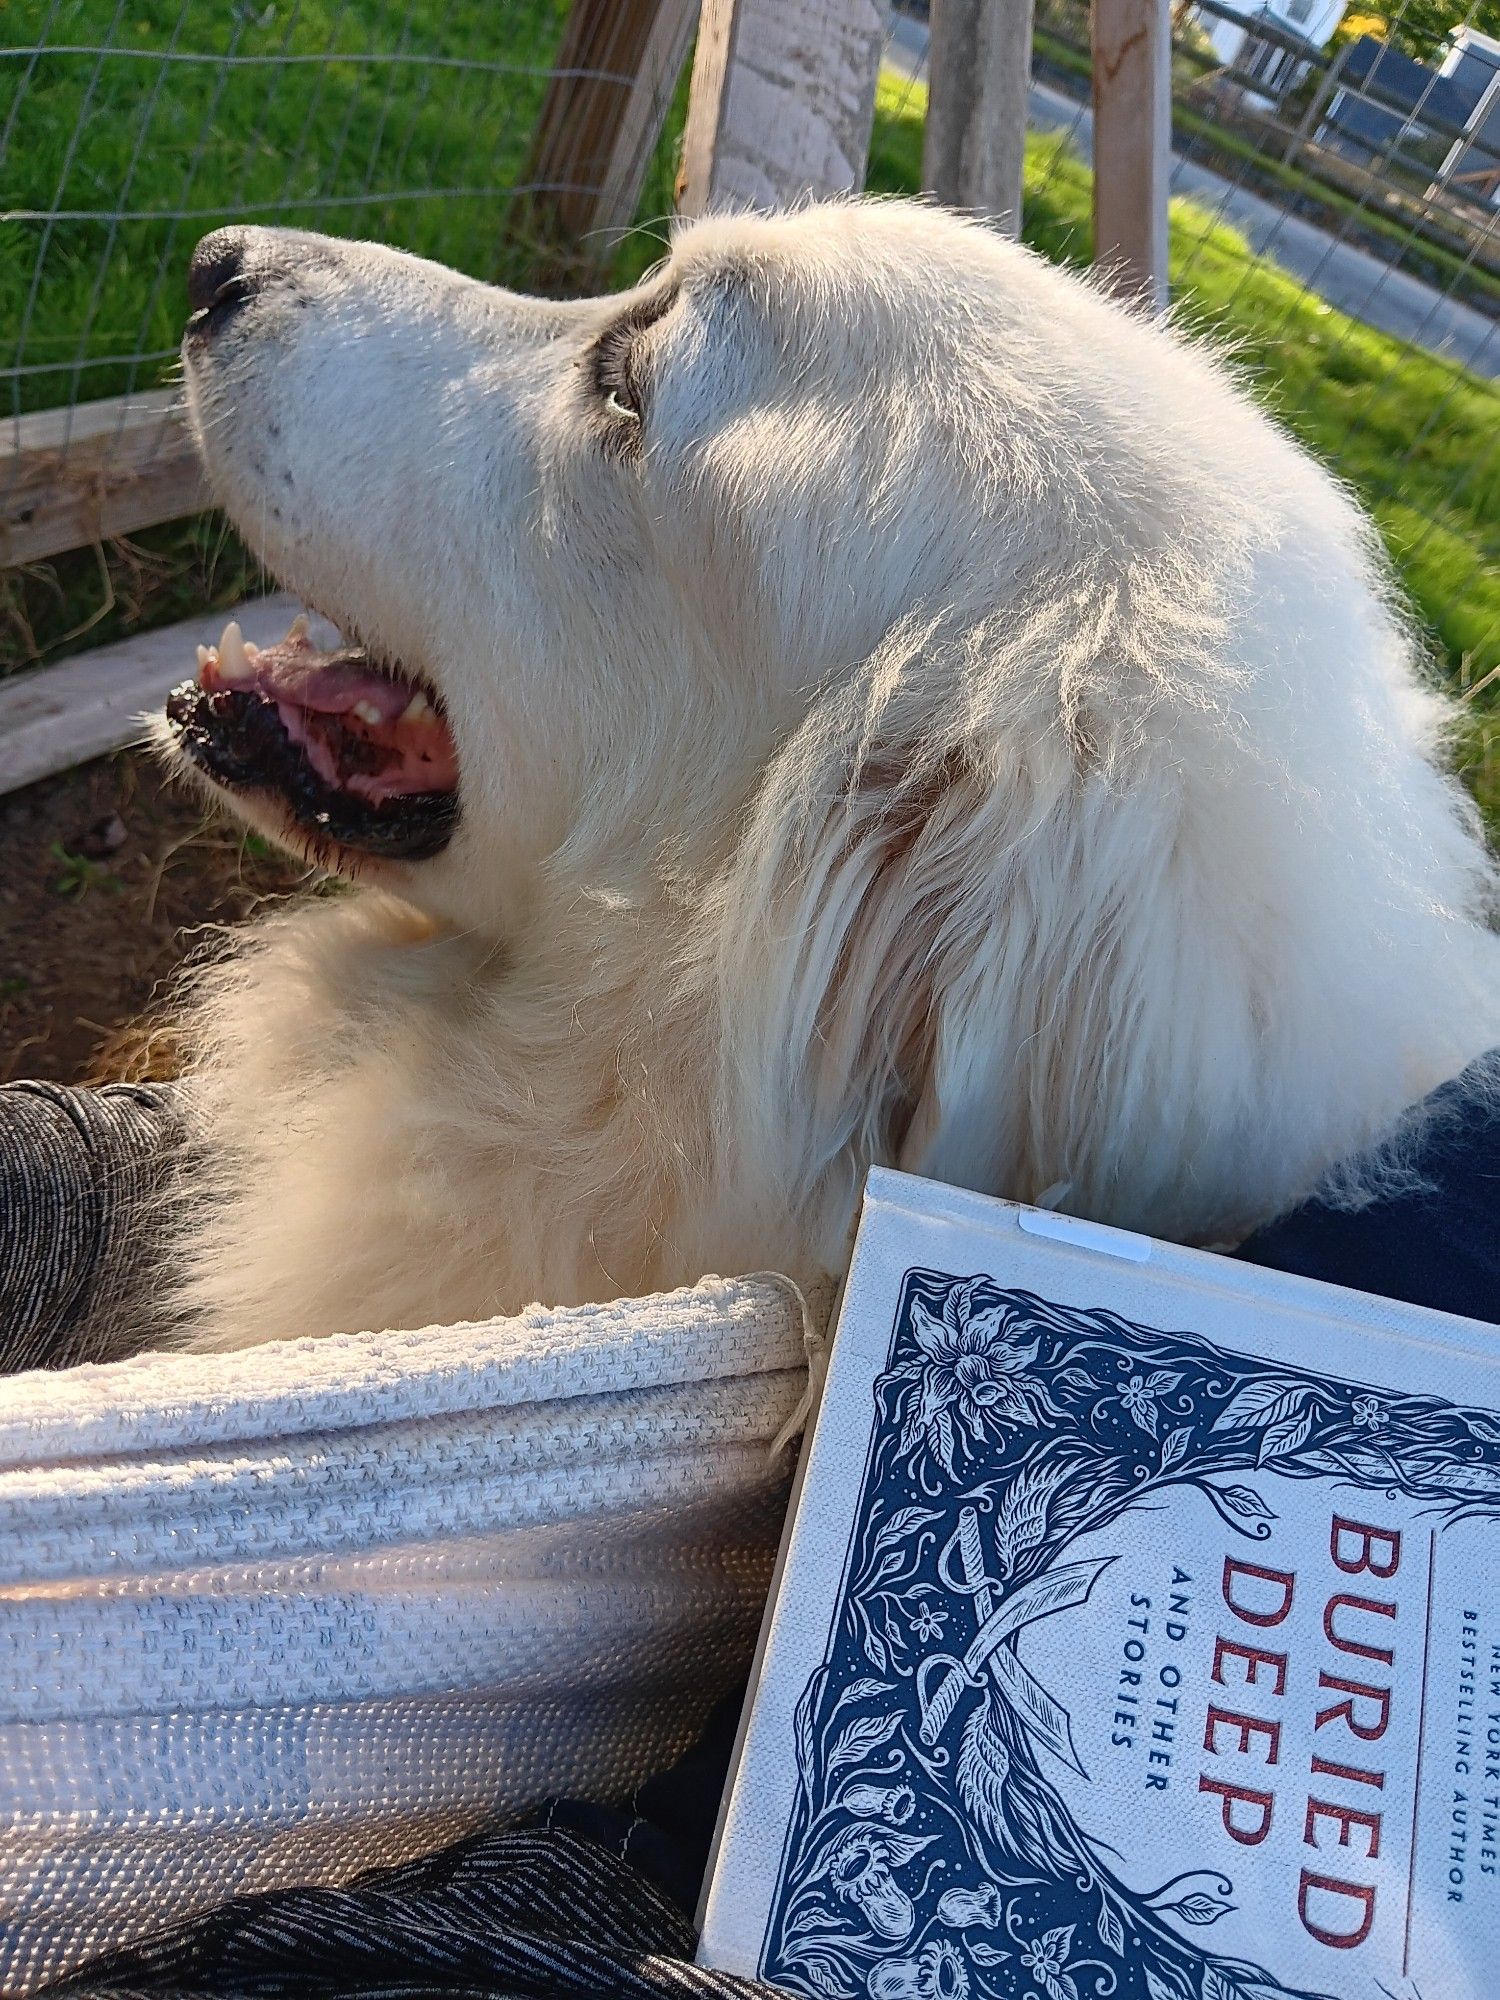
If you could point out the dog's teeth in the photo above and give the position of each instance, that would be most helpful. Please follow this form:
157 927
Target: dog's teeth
367 712
297 630
416 708
234 664
205 654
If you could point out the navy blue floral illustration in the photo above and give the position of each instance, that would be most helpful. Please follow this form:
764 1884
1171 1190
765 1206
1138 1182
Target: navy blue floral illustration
930 1854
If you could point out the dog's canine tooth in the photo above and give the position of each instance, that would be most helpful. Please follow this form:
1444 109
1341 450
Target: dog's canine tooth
298 630
205 654
234 663
416 708
367 712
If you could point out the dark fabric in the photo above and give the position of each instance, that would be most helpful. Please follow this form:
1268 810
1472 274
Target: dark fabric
1432 1235
79 1174
668 1828
540 1913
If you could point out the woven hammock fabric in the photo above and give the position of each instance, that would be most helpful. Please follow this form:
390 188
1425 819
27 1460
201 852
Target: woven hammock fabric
278 1616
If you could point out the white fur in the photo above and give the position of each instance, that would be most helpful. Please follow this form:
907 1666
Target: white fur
965 734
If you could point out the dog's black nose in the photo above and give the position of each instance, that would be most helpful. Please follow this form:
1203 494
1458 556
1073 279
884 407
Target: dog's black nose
217 285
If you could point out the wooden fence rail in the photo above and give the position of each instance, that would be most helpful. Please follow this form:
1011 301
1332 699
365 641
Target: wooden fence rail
84 475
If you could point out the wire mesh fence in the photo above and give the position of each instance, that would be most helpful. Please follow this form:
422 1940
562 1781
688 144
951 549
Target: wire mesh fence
510 138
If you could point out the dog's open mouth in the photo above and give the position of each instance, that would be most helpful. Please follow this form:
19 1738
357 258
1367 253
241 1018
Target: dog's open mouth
361 756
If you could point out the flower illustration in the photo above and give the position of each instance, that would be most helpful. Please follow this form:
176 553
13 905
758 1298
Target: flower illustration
1369 1413
964 1907
1046 1959
972 1372
1140 1393
928 1620
862 1876
937 1972
894 1804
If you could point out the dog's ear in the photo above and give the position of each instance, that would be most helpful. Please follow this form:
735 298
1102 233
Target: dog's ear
921 950
979 934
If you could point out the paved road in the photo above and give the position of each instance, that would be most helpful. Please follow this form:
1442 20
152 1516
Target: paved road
1352 279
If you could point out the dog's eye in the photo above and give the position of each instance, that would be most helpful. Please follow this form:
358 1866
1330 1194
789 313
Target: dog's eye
614 378
616 404
614 364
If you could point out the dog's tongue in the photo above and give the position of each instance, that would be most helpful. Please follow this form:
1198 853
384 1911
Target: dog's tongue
374 734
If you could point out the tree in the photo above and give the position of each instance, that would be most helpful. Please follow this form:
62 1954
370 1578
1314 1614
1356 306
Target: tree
1421 27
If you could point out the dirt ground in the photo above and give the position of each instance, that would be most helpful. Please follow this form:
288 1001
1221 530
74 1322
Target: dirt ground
108 878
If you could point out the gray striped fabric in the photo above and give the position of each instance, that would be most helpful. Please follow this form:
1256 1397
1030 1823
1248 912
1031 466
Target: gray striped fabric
79 1171
540 1913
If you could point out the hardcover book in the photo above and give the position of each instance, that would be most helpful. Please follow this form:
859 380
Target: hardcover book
1136 1635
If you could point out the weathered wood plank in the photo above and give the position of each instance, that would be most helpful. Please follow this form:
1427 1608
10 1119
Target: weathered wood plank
783 98
1132 144
60 716
71 478
978 76
616 71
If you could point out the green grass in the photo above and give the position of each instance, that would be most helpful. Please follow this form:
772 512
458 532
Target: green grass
295 130
1414 436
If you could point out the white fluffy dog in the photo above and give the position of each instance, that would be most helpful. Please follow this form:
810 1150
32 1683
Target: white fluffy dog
861 696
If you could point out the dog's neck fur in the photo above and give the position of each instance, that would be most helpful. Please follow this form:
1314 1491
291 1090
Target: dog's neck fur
576 1079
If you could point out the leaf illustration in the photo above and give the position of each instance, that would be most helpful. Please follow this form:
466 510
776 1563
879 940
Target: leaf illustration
1111 1931
1246 1502
1021 1519
805 1707
901 1524
1261 1403
860 1737
904 1847
943 1441
1218 1985
1366 1462
1175 1448
820 1971
1285 1435
985 1954
888 1565
1200 1908
1076 1378
980 1775
1160 1380
1158 1988
1058 1943
860 1690
1056 1985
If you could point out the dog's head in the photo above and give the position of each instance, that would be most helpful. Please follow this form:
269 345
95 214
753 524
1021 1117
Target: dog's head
597 561
960 646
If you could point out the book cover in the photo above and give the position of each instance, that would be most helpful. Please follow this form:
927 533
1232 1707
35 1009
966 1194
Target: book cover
1137 1635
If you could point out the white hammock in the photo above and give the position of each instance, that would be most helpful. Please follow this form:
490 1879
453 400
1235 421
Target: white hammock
277 1616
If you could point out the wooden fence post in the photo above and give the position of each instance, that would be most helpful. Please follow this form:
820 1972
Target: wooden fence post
783 98
978 77
607 99
1132 144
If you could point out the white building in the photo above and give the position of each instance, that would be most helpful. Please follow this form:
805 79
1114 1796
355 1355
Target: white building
1472 65
1272 62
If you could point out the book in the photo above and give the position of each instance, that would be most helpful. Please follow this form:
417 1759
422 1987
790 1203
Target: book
1136 1635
